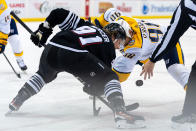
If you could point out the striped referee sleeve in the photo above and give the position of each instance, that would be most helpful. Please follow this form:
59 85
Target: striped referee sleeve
182 19
169 39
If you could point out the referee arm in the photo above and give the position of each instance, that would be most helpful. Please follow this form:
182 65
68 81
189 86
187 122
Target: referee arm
179 24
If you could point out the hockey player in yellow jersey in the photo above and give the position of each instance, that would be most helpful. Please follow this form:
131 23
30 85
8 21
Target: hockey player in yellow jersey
9 33
14 41
142 38
4 24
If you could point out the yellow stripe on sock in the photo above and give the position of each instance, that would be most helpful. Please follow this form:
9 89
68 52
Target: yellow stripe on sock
179 50
185 87
18 54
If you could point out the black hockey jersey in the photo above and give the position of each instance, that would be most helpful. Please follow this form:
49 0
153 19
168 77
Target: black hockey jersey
87 38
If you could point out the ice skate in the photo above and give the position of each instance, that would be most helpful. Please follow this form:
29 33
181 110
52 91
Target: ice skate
15 105
184 122
21 64
17 102
125 120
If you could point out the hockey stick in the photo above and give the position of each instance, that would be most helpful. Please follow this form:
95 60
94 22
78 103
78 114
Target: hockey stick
96 111
128 107
17 74
22 23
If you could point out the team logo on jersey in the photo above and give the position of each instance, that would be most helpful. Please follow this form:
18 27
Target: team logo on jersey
2 7
92 74
136 26
132 42
129 55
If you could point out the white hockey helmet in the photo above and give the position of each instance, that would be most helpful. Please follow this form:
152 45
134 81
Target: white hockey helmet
125 26
112 14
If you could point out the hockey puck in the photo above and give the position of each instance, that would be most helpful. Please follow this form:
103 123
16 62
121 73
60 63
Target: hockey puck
139 82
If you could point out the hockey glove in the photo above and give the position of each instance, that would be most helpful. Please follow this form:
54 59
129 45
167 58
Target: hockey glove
3 41
41 35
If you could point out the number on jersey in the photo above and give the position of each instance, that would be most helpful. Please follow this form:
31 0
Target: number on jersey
85 38
154 32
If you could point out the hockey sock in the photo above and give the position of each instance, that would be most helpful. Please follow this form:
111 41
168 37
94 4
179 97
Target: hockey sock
35 84
179 73
113 93
30 88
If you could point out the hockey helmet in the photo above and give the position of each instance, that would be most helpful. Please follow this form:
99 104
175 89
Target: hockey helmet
125 26
116 30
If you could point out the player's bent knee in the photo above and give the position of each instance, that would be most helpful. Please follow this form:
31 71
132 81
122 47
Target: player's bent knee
47 78
97 89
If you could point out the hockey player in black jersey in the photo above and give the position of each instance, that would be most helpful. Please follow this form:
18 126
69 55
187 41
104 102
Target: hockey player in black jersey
86 53
183 18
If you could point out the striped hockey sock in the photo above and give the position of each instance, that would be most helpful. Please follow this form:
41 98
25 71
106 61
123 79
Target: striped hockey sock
112 88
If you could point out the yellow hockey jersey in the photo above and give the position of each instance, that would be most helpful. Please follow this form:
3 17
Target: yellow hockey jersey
145 39
4 17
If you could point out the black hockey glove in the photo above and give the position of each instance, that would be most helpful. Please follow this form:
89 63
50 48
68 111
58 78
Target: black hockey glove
41 35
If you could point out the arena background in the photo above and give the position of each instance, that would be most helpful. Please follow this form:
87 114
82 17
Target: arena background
62 105
39 9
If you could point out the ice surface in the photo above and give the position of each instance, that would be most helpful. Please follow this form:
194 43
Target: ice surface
62 106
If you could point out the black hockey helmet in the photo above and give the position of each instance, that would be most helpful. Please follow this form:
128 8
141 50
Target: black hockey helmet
116 30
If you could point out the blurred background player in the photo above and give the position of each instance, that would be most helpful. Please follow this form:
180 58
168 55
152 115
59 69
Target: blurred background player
15 43
4 24
9 33
183 18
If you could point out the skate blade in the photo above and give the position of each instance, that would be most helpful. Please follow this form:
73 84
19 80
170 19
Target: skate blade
122 124
182 127
24 72
8 113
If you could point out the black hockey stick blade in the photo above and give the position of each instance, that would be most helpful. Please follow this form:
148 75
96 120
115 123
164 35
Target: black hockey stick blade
18 75
128 107
132 107
95 110
22 23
